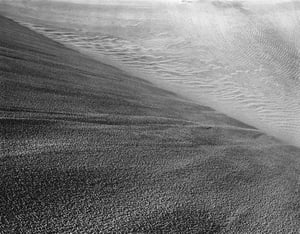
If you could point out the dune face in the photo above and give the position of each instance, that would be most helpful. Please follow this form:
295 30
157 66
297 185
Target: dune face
88 148
241 58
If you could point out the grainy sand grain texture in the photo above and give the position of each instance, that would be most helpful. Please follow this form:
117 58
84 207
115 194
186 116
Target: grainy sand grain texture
87 148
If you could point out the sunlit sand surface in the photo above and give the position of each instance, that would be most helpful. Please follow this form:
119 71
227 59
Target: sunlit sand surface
242 59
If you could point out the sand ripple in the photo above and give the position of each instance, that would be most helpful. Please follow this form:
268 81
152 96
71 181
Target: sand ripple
243 65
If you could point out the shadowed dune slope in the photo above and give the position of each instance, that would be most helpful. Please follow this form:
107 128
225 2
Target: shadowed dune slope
88 148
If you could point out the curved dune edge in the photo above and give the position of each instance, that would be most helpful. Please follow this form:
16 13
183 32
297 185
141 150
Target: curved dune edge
88 148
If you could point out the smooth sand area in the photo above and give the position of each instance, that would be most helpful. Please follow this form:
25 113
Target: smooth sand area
88 148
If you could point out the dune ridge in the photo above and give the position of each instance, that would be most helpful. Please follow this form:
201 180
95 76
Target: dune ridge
86 147
239 58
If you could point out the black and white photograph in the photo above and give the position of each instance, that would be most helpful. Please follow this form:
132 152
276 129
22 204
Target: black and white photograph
150 116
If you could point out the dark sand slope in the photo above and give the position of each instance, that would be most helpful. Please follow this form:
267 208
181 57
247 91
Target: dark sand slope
87 148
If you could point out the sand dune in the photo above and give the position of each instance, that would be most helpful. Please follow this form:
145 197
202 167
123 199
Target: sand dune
85 147
239 57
